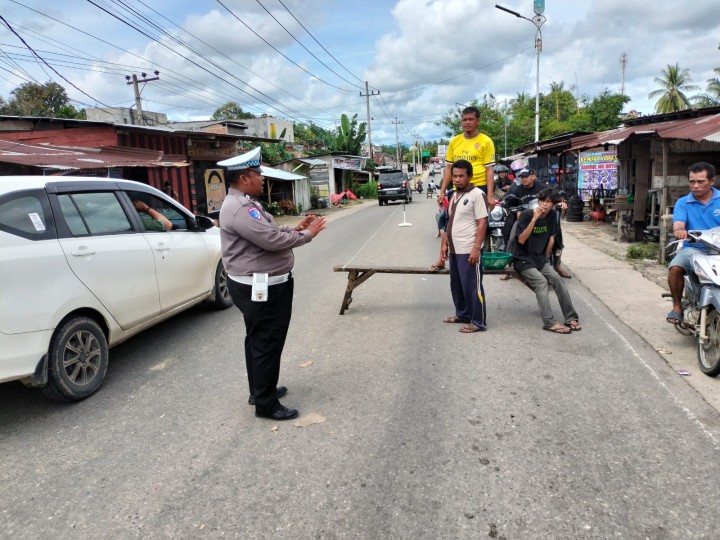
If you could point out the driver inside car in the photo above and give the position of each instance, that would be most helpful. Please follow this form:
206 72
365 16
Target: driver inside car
151 218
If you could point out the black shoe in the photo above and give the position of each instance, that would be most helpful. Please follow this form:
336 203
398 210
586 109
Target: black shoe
280 391
281 413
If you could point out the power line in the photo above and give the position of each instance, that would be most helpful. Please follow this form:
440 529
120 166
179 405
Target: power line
277 51
304 47
48 65
316 41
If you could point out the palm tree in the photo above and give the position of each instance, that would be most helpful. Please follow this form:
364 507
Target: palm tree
673 85
711 97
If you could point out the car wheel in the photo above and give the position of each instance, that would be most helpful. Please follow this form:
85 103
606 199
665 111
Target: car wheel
223 300
77 360
380 202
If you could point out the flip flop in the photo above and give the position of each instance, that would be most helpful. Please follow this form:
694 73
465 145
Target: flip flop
452 319
506 277
564 274
574 326
435 268
674 317
558 329
470 328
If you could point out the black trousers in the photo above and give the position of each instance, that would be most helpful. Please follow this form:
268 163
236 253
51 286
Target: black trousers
266 327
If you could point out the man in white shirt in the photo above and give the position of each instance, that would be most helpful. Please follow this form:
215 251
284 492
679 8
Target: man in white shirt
462 247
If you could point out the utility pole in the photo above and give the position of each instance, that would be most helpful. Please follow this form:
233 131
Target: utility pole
367 95
397 143
138 103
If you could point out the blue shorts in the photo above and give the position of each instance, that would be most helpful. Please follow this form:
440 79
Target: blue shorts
684 258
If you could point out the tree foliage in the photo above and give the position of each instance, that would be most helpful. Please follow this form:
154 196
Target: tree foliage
560 112
48 100
230 111
711 97
674 83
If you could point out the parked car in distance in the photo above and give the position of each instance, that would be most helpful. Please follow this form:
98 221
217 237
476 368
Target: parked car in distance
82 270
393 186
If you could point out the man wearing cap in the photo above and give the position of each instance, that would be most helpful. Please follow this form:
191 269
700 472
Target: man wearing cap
478 149
258 258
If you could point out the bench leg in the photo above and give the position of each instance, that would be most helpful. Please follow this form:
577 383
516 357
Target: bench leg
355 279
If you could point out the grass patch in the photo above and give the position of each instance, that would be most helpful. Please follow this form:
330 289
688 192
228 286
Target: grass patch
642 250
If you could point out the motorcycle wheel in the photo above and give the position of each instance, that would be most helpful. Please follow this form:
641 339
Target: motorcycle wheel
709 352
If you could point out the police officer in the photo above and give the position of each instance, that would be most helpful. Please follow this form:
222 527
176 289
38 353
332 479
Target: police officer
258 258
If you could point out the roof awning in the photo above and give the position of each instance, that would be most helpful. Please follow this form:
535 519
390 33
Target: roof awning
277 174
314 162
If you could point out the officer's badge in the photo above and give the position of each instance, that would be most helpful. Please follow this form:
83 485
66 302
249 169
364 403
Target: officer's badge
254 213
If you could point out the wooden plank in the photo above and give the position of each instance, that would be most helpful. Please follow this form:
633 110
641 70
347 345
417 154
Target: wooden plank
357 275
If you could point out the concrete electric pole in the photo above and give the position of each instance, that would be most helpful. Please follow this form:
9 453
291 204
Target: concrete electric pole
397 143
138 102
367 95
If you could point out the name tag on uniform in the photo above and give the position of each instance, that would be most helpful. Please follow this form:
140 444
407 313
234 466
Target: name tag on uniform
259 288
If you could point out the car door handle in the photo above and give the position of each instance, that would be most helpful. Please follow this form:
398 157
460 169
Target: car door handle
162 247
82 252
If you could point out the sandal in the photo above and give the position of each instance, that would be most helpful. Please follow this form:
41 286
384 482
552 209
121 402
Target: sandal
506 277
558 329
675 317
471 328
574 326
563 274
436 268
452 319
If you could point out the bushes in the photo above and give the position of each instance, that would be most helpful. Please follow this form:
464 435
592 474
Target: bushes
642 250
367 191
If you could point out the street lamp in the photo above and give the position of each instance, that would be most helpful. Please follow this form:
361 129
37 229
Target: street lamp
537 20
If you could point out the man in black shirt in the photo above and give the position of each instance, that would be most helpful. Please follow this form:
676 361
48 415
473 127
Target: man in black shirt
535 237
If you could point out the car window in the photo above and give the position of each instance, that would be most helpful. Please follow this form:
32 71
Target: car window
94 213
159 205
27 214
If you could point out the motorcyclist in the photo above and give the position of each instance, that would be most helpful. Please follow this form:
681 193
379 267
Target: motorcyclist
502 182
698 210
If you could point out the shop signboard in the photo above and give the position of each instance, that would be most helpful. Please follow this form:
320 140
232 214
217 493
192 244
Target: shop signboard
442 150
349 163
597 170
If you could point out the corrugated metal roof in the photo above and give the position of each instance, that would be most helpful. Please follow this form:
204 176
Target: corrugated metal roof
71 158
277 174
705 128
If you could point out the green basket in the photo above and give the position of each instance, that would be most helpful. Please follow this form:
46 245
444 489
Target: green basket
496 260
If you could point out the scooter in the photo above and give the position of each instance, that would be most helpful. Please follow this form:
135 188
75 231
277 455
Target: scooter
419 186
701 300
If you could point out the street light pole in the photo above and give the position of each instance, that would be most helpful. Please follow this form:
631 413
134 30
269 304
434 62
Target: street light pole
537 20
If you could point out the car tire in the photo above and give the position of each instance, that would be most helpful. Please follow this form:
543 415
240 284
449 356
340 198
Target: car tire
223 300
380 202
77 360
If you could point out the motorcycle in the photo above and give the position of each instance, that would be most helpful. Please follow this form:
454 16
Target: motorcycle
419 186
701 300
496 223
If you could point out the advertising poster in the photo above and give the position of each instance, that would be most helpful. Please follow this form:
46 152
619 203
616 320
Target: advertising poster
597 170
349 163
214 189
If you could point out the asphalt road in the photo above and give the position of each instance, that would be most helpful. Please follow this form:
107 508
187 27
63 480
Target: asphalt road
429 433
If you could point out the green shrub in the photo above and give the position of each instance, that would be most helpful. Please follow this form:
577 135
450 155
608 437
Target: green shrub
642 250
367 191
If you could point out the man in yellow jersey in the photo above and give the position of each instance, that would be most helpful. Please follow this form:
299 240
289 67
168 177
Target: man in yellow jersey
478 149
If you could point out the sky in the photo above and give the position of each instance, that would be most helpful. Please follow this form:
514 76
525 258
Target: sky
308 60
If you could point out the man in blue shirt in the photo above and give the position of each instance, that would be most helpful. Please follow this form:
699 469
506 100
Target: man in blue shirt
698 210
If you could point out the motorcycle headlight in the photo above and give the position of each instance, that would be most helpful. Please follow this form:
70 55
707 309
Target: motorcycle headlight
496 214
699 272
716 240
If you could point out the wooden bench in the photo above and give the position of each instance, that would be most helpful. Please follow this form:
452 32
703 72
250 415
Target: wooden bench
357 275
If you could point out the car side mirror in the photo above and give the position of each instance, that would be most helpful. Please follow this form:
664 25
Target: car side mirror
204 223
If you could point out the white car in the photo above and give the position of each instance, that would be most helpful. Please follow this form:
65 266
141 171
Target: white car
82 270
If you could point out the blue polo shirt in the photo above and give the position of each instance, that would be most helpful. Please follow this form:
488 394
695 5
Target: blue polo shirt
696 215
